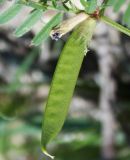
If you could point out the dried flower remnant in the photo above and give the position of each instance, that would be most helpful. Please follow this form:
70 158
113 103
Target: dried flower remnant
67 25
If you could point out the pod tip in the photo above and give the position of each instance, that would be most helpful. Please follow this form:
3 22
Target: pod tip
47 154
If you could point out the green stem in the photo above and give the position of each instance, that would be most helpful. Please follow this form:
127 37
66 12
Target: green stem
44 7
115 25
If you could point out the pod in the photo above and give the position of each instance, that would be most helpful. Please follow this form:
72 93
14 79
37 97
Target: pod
64 81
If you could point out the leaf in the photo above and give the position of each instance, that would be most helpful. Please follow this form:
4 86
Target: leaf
54 3
118 5
44 33
110 2
84 3
10 13
126 16
64 81
28 23
1 1
92 5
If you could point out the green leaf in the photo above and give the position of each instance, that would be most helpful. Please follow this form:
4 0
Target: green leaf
111 2
28 23
84 3
126 16
64 81
54 3
118 5
10 13
92 5
44 33
1 1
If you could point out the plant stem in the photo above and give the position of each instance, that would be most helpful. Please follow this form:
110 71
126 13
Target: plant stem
115 25
44 7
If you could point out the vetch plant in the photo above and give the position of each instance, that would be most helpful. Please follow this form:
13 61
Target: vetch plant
67 70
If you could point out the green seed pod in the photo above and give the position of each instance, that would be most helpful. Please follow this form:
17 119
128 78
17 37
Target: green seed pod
64 81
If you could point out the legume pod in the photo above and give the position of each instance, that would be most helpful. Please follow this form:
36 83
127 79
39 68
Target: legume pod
64 81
